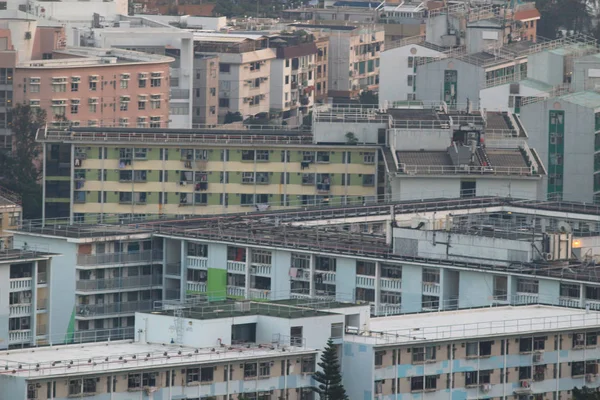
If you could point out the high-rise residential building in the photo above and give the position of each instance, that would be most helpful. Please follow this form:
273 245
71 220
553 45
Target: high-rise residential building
205 104
164 172
354 57
85 86
244 71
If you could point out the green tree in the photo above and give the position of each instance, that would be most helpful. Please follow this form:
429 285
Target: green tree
329 379
21 168
585 393
574 16
233 117
368 97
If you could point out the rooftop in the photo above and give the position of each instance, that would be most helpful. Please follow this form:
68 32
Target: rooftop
90 56
474 323
290 309
105 357
587 99
18 255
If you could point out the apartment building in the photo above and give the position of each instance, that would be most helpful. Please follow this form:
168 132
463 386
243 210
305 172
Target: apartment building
354 57
503 252
205 87
431 151
98 87
10 216
501 79
550 123
244 71
142 34
293 75
321 74
173 172
28 297
159 370
22 39
538 352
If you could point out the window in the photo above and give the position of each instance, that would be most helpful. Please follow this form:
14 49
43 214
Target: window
124 103
368 180
591 339
155 101
124 81
74 106
250 370
525 344
207 374
262 155
134 381
75 85
471 378
577 368
365 268
149 379
527 285
409 80
224 102
422 354
224 68
308 364
431 275
192 375
379 358
93 83
479 349
569 290
539 343
369 158
524 373
322 156
264 369
155 79
142 80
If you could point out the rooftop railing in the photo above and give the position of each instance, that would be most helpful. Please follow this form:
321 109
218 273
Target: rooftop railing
225 136
476 329
462 170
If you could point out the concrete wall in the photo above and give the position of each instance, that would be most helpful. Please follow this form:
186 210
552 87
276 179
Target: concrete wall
409 188
546 66
412 278
578 162
61 282
357 371
496 98
325 132
420 139
583 78
393 80
430 80
475 289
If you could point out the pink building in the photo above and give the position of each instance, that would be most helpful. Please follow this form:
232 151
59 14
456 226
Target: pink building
98 87
86 86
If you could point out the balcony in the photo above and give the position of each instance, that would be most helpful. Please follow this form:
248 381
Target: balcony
197 262
236 291
93 310
42 278
325 277
568 302
129 282
144 256
431 288
389 309
260 269
19 310
236 267
526 298
593 304
391 284
20 284
196 287
259 294
302 275
365 281
20 336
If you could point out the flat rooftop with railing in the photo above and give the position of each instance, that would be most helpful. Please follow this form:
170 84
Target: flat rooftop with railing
21 255
209 135
474 323
290 308
114 356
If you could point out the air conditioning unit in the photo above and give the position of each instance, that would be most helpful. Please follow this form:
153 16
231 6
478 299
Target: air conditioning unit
538 357
590 378
486 387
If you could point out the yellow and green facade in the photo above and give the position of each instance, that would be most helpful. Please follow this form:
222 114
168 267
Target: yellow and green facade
93 181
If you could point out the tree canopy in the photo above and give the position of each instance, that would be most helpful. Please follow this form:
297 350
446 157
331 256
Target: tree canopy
329 378
20 168
585 393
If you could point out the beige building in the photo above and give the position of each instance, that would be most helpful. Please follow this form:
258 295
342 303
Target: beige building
321 63
10 216
244 71
206 90
354 55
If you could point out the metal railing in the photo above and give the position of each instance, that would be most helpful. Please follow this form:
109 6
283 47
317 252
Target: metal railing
215 135
418 125
119 258
10 195
461 170
477 329
128 307
129 282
